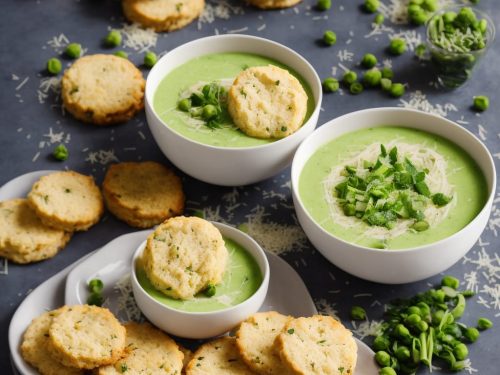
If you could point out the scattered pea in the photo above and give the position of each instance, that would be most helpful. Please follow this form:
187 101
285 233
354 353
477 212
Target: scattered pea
150 59
381 343
379 19
54 66
96 286
324 4
122 54
421 225
385 84
210 290
413 319
460 351
484 323
113 39
356 88
330 38
387 371
481 103
369 61
330 84
371 6
417 15
397 46
387 72
372 77
184 104
358 313
450 281
422 326
209 111
383 358
397 90
471 334
350 77
420 51
73 50
402 353
60 153
401 331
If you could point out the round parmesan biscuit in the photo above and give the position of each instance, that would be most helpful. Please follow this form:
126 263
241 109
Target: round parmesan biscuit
103 89
162 15
23 237
267 102
183 255
67 200
142 194
86 337
188 356
149 351
34 347
255 341
317 345
273 4
219 357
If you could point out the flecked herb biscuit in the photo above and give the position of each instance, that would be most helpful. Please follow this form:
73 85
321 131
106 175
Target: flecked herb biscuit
142 194
34 347
23 237
103 89
162 15
317 345
255 341
86 337
150 351
183 255
67 200
273 4
188 356
219 357
267 102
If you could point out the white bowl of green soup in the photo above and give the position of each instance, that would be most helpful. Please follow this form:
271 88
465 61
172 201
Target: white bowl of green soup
214 149
393 195
240 293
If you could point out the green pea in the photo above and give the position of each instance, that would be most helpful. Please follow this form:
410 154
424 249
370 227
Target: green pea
483 26
484 323
385 84
324 4
471 334
330 84
121 54
210 290
113 39
397 90
450 281
73 50
437 316
209 111
430 5
397 46
381 343
358 313
372 77
150 59
449 17
54 66
413 319
460 351
371 6
184 104
481 103
402 353
468 293
356 88
413 310
60 153
369 60
379 19
440 200
401 331
387 72
329 38
387 371
349 208
350 77
417 15
422 326
421 225
420 50
383 358
95 299
96 286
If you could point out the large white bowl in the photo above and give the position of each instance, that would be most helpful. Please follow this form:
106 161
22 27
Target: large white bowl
201 325
229 166
405 265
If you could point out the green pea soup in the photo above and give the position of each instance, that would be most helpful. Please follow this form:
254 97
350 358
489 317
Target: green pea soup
463 174
241 280
210 68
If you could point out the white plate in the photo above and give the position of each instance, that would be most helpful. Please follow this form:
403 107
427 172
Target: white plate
287 293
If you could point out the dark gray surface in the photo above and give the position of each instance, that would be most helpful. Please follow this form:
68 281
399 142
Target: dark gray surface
27 26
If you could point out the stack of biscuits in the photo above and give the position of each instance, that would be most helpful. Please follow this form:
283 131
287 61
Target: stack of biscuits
37 227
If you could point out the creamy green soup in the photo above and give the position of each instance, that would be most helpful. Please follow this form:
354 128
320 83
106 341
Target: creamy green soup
241 280
210 68
463 174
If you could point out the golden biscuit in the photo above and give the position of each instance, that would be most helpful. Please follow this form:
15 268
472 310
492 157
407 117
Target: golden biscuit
273 4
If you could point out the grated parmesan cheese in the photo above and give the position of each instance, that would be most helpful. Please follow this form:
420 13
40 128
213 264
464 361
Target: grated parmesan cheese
418 100
326 308
102 157
137 38
218 9
367 328
126 301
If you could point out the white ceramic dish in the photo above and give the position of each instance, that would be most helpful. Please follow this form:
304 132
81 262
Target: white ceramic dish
225 165
394 266
202 325
112 263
